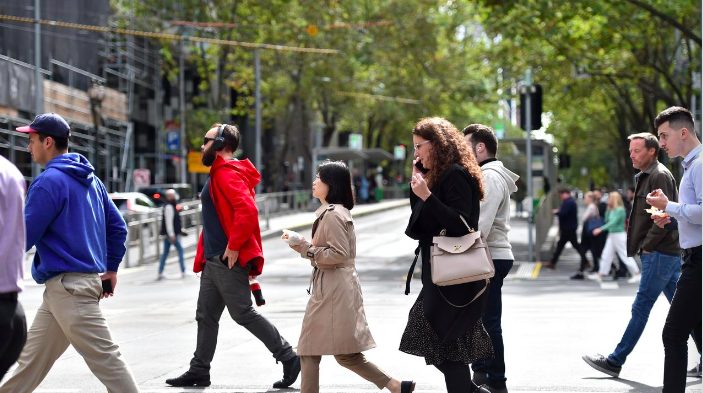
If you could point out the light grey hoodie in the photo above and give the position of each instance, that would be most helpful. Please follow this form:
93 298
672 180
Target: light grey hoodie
494 221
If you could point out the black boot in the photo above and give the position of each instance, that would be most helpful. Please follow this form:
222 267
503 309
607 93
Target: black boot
189 379
291 369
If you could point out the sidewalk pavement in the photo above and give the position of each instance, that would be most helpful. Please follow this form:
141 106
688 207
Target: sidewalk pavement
304 220
522 269
296 222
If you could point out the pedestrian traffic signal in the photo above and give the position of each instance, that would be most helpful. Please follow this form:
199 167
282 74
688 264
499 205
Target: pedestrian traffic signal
535 108
564 161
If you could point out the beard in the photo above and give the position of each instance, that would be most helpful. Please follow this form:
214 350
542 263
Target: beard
208 156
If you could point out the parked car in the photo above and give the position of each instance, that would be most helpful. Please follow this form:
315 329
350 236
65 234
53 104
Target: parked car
157 192
133 203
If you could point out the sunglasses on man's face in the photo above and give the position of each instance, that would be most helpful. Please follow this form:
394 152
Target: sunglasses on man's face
207 139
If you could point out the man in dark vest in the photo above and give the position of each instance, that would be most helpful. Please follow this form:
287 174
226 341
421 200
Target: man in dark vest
171 228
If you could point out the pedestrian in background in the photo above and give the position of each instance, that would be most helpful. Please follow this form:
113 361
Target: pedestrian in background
13 324
598 242
80 238
171 229
616 242
618 268
657 249
590 219
568 223
447 188
229 252
494 224
334 321
678 138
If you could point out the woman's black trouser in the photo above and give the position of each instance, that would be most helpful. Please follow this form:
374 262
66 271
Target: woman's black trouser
457 377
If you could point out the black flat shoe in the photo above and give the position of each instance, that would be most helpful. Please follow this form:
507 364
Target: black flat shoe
189 379
407 386
291 369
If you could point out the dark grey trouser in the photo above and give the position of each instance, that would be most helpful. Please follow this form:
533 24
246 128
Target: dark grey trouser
13 331
220 287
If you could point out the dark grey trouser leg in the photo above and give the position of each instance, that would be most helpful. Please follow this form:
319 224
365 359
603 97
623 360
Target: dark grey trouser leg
233 286
13 326
208 313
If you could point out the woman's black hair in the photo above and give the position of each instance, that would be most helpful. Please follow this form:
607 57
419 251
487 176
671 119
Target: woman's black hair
337 177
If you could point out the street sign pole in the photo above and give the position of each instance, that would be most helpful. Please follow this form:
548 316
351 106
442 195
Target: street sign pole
257 119
38 81
528 149
183 148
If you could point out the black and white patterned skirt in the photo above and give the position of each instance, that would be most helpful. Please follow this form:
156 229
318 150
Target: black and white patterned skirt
420 339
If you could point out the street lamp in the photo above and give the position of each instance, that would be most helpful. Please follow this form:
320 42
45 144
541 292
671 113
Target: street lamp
96 93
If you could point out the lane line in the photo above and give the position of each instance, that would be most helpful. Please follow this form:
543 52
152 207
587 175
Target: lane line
536 270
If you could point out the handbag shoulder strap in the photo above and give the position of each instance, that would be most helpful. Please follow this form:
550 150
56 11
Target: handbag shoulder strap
471 230
470 301
411 271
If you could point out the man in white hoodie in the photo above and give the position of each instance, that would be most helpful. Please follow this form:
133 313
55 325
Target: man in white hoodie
494 224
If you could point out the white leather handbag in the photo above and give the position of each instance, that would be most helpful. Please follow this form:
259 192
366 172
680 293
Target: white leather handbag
458 260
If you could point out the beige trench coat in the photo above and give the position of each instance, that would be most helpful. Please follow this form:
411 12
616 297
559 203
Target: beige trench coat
334 321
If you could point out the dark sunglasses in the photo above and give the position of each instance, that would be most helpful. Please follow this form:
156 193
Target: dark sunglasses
207 139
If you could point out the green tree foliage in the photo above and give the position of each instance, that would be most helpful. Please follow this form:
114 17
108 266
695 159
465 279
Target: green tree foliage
431 55
607 68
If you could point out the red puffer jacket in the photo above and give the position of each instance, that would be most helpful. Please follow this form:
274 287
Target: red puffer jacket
232 185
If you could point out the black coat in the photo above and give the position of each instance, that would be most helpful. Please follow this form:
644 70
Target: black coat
457 192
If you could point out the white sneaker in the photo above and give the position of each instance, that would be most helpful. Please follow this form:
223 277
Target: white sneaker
160 277
594 277
183 274
634 279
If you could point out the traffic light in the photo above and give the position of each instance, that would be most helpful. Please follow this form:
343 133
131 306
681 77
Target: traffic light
564 161
535 108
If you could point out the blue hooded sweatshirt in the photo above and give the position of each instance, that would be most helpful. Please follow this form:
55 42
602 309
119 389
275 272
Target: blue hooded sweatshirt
72 221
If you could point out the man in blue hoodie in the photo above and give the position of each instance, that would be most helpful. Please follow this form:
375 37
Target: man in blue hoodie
80 236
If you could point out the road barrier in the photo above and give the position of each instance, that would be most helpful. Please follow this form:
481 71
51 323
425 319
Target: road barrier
144 242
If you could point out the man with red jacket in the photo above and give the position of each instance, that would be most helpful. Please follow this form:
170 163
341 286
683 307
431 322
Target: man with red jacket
229 251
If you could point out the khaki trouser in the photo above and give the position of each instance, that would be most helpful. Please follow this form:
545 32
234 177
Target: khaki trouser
356 362
70 314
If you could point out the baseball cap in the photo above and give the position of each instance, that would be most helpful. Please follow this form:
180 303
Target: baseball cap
48 124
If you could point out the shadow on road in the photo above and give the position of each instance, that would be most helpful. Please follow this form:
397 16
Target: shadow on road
636 386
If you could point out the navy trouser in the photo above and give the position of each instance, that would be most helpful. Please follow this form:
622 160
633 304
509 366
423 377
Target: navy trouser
495 368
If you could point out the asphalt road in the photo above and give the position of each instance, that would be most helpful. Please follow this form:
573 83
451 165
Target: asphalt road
548 323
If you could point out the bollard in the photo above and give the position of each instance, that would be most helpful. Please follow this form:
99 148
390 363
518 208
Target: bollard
140 240
157 233
127 248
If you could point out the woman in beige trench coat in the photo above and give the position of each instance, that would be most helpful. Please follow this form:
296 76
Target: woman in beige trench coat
334 321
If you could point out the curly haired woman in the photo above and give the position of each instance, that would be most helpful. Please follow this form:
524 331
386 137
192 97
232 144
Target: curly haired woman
444 326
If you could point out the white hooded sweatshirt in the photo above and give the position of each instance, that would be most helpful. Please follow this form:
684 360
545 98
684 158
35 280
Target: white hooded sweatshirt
494 221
